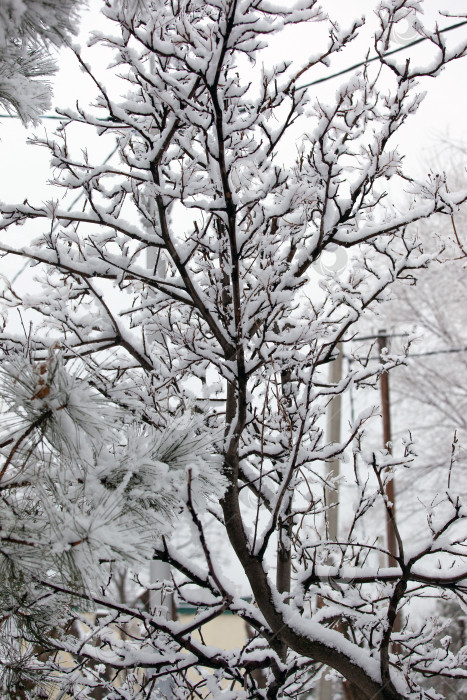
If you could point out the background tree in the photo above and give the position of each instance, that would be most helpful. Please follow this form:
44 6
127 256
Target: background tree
227 320
431 386
428 392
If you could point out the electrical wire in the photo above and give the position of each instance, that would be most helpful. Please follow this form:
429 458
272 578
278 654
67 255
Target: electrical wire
377 58
447 351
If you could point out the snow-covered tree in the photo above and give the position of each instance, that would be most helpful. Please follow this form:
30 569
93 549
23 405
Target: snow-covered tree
227 323
430 391
28 29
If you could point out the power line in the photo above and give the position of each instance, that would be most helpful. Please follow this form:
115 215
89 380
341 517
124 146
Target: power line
57 116
429 353
314 82
43 116
448 351
377 58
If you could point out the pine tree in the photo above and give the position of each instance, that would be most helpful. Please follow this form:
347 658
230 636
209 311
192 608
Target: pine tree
29 31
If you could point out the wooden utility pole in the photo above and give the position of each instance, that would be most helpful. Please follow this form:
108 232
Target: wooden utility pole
285 525
390 488
392 545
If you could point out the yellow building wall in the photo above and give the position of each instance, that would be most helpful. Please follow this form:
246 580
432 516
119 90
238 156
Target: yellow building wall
226 632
